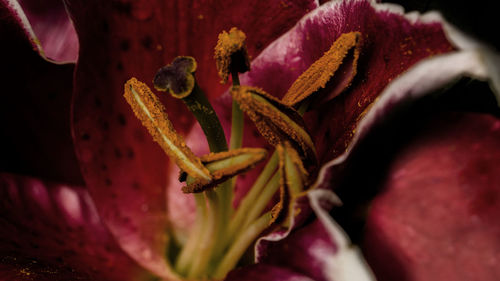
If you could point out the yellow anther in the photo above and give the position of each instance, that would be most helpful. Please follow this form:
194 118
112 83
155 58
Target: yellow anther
151 112
225 165
231 53
275 121
345 50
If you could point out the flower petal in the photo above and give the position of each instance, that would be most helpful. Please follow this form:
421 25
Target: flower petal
35 109
264 272
48 27
437 217
125 171
426 77
392 42
319 250
53 231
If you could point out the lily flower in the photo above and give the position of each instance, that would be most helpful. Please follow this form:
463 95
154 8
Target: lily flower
160 195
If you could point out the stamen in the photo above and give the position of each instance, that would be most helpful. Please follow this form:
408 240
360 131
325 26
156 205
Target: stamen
322 70
225 165
293 180
295 173
278 212
275 121
241 244
151 112
231 53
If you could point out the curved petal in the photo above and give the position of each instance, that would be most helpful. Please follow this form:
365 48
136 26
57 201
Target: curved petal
35 110
437 216
319 250
426 77
264 272
48 27
391 43
125 171
53 231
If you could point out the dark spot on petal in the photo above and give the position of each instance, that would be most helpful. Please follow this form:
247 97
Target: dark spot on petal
85 136
119 66
108 182
121 119
118 153
59 260
104 125
34 245
258 45
147 42
104 167
130 153
136 186
125 45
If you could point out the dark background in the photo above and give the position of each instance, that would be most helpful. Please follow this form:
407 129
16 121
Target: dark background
479 18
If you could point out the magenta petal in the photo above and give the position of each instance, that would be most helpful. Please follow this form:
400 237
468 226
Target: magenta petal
53 231
264 272
392 43
48 27
319 250
35 134
437 218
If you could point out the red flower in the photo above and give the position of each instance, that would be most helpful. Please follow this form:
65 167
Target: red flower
119 225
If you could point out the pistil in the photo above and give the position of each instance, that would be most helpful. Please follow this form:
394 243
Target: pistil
178 79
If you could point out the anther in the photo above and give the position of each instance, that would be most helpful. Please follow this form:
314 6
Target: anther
337 66
231 54
225 165
275 121
151 112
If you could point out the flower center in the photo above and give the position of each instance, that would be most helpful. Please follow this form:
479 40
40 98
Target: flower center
221 234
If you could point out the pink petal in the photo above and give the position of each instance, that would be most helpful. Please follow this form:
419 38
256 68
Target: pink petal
437 218
126 172
392 43
319 250
35 110
264 272
53 232
48 27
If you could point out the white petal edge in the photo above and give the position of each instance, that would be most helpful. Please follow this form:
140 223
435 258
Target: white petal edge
348 263
472 59
18 12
